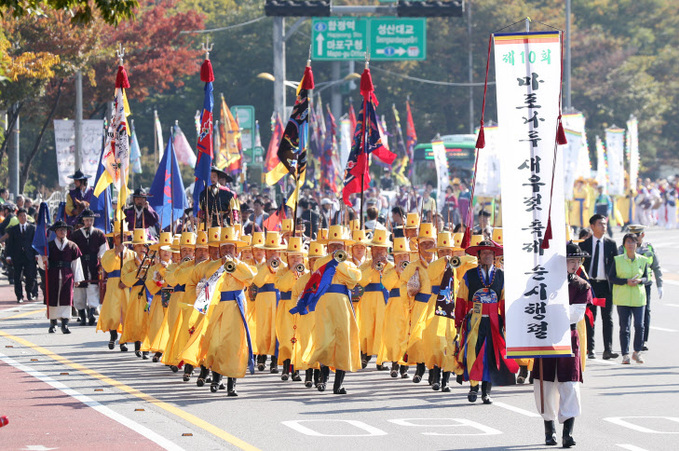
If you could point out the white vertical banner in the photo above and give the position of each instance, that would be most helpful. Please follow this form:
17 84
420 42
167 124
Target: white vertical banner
64 143
528 75
615 149
442 176
633 151
601 163
345 142
574 126
487 182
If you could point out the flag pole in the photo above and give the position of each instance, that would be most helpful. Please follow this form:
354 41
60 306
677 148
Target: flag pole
47 280
365 143
171 186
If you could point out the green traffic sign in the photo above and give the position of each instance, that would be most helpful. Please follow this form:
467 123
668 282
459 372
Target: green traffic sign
395 39
388 39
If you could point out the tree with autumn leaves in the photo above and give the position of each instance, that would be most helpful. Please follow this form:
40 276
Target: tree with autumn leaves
42 54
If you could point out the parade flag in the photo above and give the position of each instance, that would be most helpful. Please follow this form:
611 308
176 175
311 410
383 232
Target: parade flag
232 146
42 237
292 151
167 194
400 149
135 152
352 117
329 157
601 163
528 80
61 212
204 146
367 140
615 149
487 181
276 135
182 148
633 151
575 153
319 282
158 130
442 177
275 220
411 134
101 204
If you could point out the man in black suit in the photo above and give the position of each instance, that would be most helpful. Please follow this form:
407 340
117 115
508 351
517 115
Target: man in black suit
21 254
602 250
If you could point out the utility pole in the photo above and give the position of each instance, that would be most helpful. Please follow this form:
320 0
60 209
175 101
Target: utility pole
14 153
279 66
567 69
78 119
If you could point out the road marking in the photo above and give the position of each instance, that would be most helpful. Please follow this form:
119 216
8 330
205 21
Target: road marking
622 421
21 315
457 422
631 447
672 305
131 424
604 362
662 329
371 431
671 282
527 413
196 421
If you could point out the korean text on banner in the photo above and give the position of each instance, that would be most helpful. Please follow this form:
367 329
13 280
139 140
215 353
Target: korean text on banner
615 148
528 72
441 161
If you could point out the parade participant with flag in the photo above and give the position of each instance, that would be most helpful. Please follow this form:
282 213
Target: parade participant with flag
155 282
266 300
114 307
334 337
396 327
371 308
134 274
167 195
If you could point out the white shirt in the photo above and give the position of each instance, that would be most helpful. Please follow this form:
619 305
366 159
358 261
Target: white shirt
601 271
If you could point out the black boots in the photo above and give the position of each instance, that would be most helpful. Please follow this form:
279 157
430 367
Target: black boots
137 348
323 379
261 362
216 380
114 337
90 316
156 357
404 372
485 392
204 373
83 317
286 370
365 359
473 393
274 364
444 382
419 372
550 433
394 369
523 374
53 326
231 387
435 374
308 376
64 326
337 388
188 371
567 437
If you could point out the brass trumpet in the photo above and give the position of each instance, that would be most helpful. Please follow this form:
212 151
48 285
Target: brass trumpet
404 264
300 268
274 264
340 256
502 260
380 265
188 258
230 266
455 262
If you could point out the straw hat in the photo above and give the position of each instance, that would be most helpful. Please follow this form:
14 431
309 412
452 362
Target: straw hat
165 239
230 236
60 225
337 233
175 243
497 235
286 225
484 246
139 237
214 236
457 239
445 241
188 239
360 237
354 224
322 234
380 239
201 239
116 229
316 249
400 246
427 232
412 221
295 245
272 242
257 238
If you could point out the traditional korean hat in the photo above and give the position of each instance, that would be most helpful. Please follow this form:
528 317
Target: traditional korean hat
445 241
457 240
338 234
322 234
497 235
286 225
230 236
484 246
221 173
139 237
354 224
115 229
201 239
316 249
140 192
574 251
412 221
257 238
60 225
427 232
247 240
400 246
272 242
296 246
188 239
87 213
175 243
214 236
475 239
165 239
380 239
79 175
360 237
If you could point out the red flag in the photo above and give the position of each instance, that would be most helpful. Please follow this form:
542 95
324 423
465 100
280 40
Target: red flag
411 134
352 117
276 134
274 221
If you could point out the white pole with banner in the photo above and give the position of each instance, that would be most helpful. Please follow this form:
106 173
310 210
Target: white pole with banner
633 149
442 177
615 149
528 74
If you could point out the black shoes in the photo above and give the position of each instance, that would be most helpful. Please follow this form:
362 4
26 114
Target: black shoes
188 371
323 378
83 317
273 368
53 326
610 355
435 378
567 437
404 372
394 370
523 374
20 301
591 355
473 394
204 373
419 372
337 388
112 341
485 392
445 388
123 347
91 319
231 387
308 375
64 326
156 357
550 433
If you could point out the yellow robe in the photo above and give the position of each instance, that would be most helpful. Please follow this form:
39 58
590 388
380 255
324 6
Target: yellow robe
225 340
579 208
371 309
334 336
136 318
302 333
418 310
265 311
173 307
114 306
180 331
286 323
396 320
157 313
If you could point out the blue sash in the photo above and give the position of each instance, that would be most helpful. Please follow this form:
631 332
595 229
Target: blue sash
286 295
377 286
179 288
149 297
239 297
395 292
115 273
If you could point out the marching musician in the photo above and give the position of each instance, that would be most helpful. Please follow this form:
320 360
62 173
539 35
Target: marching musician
117 295
92 244
155 282
79 198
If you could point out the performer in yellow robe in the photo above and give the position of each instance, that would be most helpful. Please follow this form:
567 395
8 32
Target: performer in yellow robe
166 293
286 322
305 323
266 301
372 306
154 282
334 337
114 306
580 205
410 231
397 313
187 246
133 275
258 258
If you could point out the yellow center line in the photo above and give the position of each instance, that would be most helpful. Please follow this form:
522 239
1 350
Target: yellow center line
196 421
21 315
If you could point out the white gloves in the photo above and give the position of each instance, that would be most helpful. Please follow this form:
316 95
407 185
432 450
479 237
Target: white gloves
659 292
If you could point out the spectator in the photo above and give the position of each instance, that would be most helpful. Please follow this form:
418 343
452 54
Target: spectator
372 223
4 195
397 221
21 255
258 216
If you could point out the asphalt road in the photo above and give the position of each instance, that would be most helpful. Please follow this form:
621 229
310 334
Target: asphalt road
139 403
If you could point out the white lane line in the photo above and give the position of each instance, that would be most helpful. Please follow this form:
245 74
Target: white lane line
527 413
662 329
631 447
671 282
131 424
671 305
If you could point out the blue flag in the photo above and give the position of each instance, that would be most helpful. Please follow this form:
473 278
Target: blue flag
135 152
101 204
204 147
42 236
167 190
61 212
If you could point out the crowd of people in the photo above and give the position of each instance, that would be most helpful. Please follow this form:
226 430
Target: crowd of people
241 285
